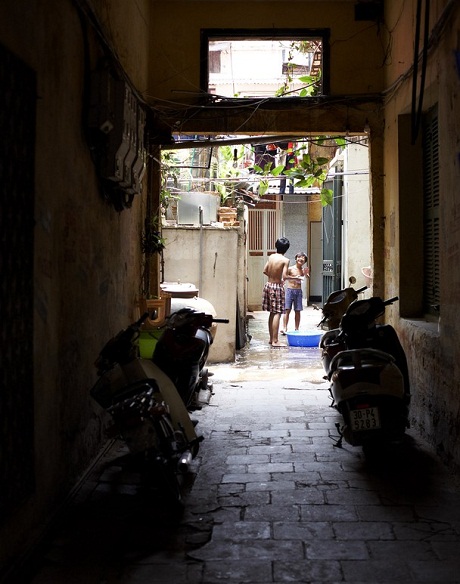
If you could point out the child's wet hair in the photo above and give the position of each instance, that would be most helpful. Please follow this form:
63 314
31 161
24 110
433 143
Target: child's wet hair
301 253
282 245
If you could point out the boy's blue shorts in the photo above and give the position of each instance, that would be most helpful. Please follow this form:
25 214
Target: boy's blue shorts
293 297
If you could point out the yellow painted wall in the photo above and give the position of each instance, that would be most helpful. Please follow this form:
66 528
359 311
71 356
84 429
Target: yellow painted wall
175 41
433 351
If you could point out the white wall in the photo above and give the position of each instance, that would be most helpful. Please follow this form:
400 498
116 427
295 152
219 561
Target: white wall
356 213
209 258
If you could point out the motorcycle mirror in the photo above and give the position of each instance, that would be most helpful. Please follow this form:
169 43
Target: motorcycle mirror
352 280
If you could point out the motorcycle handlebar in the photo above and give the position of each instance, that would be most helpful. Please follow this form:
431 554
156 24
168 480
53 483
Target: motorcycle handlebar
140 322
222 320
361 289
390 300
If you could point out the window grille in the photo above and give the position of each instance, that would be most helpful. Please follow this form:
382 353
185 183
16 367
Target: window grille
431 283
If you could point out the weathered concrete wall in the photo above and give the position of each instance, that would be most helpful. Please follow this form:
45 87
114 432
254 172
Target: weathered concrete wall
433 353
209 258
87 255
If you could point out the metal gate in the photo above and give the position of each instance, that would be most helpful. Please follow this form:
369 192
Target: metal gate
264 228
332 240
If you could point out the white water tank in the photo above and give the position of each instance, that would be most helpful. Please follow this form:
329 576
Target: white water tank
188 208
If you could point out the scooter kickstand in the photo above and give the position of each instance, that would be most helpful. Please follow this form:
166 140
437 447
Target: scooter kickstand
338 443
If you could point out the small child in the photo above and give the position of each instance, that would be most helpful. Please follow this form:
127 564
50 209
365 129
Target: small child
293 292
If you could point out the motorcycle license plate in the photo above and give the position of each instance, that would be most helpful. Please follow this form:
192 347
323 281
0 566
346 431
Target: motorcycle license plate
365 419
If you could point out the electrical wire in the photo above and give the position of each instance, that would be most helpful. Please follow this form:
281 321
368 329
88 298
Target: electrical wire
434 39
416 107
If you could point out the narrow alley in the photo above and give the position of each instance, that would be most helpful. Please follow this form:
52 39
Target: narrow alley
270 499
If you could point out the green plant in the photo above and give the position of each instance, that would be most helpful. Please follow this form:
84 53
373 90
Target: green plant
228 169
310 171
169 174
152 241
312 82
307 172
231 182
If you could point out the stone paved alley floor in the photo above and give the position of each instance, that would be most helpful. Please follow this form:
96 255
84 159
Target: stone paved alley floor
270 499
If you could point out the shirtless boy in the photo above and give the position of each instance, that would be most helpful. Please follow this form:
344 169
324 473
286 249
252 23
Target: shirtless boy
293 290
276 270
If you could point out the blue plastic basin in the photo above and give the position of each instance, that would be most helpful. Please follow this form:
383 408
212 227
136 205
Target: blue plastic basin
303 338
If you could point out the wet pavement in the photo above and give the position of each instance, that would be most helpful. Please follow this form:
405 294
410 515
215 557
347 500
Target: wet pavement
270 499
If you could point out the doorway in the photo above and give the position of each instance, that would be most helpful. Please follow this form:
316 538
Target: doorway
263 230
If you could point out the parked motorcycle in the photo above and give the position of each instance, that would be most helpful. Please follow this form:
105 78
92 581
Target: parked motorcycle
147 410
182 352
367 368
337 303
333 310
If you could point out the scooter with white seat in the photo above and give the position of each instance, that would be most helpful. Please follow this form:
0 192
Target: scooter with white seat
369 378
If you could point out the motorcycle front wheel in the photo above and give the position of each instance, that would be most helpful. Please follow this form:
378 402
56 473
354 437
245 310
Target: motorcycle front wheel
168 483
161 469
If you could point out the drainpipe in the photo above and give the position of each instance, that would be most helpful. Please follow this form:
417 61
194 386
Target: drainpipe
200 266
